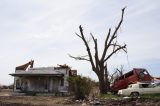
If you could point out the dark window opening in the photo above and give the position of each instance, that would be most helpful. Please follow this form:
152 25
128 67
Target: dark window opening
62 82
144 85
128 74
46 84
18 84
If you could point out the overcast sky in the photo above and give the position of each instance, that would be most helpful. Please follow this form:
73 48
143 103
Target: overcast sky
44 30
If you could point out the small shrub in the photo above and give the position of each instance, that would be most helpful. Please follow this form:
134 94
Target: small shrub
4 87
80 86
10 86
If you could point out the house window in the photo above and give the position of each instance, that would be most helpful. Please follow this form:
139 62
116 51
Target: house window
46 84
18 84
62 82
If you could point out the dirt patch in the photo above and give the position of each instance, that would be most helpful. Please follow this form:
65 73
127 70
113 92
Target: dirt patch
6 92
133 102
66 101
33 100
7 100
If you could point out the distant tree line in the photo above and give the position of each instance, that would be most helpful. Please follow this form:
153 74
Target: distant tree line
6 87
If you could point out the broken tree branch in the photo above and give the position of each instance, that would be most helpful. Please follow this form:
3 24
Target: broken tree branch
110 39
105 45
96 50
121 47
79 57
87 47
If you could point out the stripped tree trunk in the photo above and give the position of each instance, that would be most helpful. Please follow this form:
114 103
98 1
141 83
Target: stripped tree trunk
99 65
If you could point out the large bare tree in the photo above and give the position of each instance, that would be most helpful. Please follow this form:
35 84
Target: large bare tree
99 63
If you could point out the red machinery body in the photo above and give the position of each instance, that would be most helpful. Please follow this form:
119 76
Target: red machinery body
136 75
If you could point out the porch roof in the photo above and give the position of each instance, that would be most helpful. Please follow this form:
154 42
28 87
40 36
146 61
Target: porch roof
49 71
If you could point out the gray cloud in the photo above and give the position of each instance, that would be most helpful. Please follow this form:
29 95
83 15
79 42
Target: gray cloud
44 30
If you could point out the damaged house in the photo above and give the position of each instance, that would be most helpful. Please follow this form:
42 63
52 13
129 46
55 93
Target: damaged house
42 80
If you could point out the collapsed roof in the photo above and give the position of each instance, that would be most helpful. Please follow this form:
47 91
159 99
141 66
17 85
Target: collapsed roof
41 71
25 70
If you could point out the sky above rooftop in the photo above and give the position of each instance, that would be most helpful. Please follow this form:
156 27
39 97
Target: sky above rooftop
44 30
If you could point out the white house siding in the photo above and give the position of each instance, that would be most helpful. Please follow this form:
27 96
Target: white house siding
54 83
42 84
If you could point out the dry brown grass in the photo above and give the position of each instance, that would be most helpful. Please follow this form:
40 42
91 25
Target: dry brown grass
5 92
5 97
34 100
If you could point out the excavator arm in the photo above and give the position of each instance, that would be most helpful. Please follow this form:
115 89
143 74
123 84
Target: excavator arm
25 66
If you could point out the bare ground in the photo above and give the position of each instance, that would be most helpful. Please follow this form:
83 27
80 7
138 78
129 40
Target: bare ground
7 100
